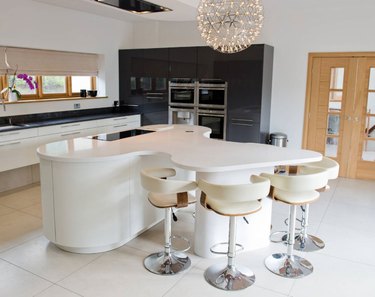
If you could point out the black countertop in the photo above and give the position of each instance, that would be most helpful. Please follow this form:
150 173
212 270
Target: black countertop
57 118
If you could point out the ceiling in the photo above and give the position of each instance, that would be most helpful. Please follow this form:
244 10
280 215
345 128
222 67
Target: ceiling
183 10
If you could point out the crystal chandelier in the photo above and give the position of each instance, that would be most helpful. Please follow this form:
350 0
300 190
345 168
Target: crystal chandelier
230 26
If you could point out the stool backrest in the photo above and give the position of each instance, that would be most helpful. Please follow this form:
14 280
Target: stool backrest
308 178
330 165
154 180
258 189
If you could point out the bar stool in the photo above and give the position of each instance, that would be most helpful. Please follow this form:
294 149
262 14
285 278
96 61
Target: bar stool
294 190
232 201
306 242
166 194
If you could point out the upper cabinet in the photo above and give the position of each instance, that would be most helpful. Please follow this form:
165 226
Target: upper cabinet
183 62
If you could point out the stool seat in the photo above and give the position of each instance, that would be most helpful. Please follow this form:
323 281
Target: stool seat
167 200
297 198
225 208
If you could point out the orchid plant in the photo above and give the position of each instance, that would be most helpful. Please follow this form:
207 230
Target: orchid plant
11 88
12 83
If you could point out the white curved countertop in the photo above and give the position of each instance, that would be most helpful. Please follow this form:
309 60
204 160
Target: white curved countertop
188 146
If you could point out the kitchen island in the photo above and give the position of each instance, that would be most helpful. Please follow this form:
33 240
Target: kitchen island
92 199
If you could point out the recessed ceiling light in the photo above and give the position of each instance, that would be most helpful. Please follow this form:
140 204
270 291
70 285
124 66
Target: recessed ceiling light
135 6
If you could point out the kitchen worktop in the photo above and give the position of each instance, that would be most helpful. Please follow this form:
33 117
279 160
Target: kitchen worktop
56 118
188 146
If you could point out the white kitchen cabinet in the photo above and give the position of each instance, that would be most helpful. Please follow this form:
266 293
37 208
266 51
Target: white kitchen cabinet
66 128
20 146
11 136
119 123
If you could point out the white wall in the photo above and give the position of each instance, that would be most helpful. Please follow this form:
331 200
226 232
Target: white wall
30 24
295 28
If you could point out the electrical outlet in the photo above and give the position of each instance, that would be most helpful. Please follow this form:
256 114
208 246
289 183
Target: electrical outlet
77 105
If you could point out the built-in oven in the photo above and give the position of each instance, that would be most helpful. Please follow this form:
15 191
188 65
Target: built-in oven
212 93
182 115
214 119
182 92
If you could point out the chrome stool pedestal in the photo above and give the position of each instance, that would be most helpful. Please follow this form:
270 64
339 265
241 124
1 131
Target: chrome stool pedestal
289 265
228 276
168 261
306 242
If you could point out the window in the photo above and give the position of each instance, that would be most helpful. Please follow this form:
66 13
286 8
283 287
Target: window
51 86
58 74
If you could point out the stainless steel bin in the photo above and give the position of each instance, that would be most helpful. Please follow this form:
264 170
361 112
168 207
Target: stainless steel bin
278 139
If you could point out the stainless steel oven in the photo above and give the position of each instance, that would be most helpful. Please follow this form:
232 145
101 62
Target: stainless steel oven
182 92
212 93
214 119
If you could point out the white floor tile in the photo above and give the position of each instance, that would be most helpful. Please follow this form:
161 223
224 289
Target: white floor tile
16 282
44 259
57 291
348 243
19 200
335 277
118 273
18 227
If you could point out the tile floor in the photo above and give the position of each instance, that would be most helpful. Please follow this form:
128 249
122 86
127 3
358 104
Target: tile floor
343 217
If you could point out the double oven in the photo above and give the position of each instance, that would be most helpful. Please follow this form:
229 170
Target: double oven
199 103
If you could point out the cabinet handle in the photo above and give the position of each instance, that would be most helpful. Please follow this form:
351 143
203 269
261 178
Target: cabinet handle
10 143
73 133
242 120
12 133
119 119
118 126
71 125
239 124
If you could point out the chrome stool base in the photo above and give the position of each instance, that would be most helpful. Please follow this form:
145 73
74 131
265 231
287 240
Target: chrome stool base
308 243
229 278
167 264
288 266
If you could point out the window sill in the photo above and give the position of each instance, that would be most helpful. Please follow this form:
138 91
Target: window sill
53 99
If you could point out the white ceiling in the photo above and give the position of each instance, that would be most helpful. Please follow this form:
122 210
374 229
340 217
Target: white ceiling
183 10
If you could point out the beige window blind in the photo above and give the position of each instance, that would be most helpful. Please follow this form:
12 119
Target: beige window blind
48 62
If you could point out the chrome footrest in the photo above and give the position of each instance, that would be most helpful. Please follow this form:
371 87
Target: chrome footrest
212 249
278 236
183 239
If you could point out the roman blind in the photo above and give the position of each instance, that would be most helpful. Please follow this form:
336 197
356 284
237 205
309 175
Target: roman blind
48 62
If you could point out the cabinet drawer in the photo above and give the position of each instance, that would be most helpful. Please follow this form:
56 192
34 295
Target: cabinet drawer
119 127
56 129
18 134
119 120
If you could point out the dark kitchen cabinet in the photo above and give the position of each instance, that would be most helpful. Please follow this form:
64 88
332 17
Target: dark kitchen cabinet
144 75
143 80
249 77
183 62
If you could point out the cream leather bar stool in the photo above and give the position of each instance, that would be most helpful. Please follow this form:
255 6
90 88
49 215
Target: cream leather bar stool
306 242
294 190
232 201
164 193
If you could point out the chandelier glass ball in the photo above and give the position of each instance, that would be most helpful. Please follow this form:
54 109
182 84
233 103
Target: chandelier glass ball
230 26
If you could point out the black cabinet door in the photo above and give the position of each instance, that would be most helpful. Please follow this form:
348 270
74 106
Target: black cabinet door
243 131
183 62
144 81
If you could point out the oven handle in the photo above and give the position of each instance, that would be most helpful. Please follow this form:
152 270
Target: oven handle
212 114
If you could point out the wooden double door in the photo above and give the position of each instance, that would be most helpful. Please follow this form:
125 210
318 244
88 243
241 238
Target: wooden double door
340 111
